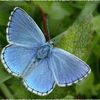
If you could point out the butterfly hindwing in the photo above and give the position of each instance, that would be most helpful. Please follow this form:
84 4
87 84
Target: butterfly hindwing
67 68
40 80
23 31
16 58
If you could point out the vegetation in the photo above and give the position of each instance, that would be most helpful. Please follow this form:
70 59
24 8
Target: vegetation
75 27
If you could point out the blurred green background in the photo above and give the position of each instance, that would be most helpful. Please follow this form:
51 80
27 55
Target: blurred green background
75 27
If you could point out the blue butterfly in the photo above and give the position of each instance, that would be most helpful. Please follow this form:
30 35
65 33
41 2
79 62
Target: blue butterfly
37 62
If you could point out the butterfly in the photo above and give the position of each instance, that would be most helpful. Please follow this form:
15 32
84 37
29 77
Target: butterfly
40 65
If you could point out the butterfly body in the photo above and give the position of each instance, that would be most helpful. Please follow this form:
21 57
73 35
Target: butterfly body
40 65
44 51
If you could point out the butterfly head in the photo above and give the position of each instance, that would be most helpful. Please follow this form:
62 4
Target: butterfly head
44 51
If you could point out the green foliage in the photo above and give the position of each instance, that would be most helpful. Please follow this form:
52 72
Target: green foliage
96 43
74 27
85 87
76 39
51 7
96 23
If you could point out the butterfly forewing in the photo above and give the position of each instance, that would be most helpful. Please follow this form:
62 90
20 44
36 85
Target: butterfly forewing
23 31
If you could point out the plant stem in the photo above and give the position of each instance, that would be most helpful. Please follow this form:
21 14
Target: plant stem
6 91
45 25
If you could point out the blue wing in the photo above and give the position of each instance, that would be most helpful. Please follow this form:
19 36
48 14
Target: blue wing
40 81
67 68
23 31
16 58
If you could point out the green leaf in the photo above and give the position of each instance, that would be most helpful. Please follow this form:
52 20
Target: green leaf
4 76
77 39
6 91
